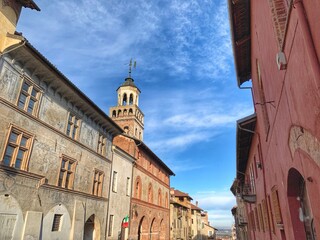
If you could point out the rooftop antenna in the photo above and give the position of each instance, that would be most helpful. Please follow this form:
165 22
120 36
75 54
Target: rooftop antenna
130 66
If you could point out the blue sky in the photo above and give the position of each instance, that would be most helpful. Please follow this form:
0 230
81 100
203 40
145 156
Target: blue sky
184 69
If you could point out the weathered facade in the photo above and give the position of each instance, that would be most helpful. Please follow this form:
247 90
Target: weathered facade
149 210
55 146
180 209
120 194
277 45
196 222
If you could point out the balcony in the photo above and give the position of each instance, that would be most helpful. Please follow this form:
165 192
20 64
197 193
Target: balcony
247 194
242 221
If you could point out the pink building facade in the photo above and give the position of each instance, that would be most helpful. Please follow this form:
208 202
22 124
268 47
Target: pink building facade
276 45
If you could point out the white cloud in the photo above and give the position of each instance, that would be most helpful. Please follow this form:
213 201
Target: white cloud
218 204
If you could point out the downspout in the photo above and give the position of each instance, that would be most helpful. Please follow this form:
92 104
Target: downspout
263 170
311 50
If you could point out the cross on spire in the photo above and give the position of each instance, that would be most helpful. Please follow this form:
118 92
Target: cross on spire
130 66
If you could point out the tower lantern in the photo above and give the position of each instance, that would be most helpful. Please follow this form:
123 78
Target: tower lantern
127 113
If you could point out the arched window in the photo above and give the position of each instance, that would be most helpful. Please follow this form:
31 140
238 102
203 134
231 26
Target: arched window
139 135
150 193
135 132
114 113
131 99
124 99
125 112
119 113
166 200
126 129
130 111
159 197
137 193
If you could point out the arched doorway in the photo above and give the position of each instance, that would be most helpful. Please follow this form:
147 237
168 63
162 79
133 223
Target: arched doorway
92 229
141 229
154 232
162 230
301 215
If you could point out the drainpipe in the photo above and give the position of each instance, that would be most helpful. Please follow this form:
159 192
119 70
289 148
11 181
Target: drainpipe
311 50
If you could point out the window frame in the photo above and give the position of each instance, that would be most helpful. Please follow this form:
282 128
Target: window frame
70 131
29 95
102 143
66 170
110 225
60 221
17 146
114 181
97 185
128 187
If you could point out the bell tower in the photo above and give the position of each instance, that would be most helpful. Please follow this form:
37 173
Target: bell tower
127 113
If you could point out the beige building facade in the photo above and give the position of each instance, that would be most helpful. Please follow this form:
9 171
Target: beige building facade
120 194
55 146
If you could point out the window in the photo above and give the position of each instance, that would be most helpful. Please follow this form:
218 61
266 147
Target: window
159 198
166 200
114 181
251 176
56 224
110 229
66 174
265 214
276 206
97 183
257 218
128 187
279 10
260 214
73 126
150 194
29 98
101 144
270 215
17 149
138 188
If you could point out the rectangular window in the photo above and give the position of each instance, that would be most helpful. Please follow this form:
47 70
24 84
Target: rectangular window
29 98
97 183
17 149
265 214
56 224
101 144
252 221
110 229
66 174
270 215
276 206
260 214
279 10
128 186
114 181
73 126
257 218
252 182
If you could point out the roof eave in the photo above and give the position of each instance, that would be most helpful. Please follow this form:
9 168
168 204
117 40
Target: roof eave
245 129
29 4
238 45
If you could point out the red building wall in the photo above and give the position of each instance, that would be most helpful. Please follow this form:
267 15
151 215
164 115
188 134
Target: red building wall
290 149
